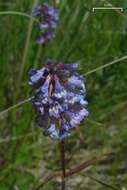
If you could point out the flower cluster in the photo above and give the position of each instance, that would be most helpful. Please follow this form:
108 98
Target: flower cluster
59 98
47 21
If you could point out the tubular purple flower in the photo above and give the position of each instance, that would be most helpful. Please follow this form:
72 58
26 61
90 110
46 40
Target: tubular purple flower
56 101
43 25
45 37
37 10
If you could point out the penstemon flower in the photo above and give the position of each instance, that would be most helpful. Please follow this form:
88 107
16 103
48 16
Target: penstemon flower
47 21
59 98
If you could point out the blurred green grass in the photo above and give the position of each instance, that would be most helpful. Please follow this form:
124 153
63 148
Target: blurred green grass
93 39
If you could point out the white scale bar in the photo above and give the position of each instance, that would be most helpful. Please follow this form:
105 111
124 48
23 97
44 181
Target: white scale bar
108 8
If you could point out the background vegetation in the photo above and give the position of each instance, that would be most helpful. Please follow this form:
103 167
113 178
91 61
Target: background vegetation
93 39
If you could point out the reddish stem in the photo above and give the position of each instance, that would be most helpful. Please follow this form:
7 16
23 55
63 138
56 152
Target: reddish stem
63 165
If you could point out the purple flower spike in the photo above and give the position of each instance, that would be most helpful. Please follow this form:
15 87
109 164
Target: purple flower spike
59 98
47 21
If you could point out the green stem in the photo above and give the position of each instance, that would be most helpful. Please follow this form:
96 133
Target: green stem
19 14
